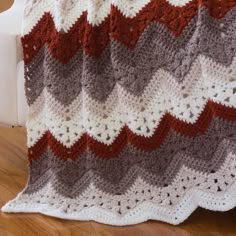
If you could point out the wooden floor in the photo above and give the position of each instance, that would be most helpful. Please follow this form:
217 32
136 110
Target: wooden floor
13 177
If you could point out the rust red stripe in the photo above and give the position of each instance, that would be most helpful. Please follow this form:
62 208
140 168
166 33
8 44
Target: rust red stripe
94 39
126 136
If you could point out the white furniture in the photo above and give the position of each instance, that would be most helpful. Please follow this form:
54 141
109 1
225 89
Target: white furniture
13 106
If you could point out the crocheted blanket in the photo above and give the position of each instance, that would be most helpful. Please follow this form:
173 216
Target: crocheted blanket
132 109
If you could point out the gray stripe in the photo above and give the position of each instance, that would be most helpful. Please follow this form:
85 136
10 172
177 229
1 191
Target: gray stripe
204 153
133 69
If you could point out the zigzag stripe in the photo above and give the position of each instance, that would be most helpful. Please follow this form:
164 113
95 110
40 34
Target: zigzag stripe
158 168
76 8
202 67
203 73
69 43
128 8
121 108
108 125
47 138
98 12
131 69
173 204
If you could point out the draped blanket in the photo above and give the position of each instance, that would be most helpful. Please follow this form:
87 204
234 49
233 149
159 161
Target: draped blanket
132 109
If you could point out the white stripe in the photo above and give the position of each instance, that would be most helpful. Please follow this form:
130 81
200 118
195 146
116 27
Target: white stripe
49 202
122 108
97 11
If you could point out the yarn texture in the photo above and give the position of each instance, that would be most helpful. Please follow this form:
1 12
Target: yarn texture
132 109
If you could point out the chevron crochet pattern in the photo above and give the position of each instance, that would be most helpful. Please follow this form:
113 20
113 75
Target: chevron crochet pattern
132 109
